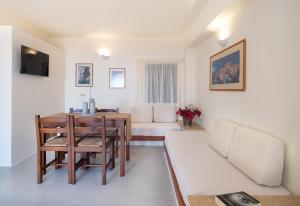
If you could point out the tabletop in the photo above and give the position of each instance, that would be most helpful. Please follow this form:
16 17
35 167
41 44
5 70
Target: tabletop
108 115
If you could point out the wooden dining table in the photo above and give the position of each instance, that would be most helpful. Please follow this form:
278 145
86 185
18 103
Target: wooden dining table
121 121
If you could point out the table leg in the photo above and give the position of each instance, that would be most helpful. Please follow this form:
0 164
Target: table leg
127 150
122 150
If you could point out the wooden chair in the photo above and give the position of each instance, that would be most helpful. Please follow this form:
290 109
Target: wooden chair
52 135
96 140
118 137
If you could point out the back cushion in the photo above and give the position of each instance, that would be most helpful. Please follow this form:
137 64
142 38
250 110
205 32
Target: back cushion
142 114
222 136
164 113
258 155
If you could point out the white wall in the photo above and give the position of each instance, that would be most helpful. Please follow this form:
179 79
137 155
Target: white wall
124 53
272 98
5 93
189 79
33 95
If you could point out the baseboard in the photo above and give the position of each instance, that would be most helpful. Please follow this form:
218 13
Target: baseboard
174 180
147 138
147 143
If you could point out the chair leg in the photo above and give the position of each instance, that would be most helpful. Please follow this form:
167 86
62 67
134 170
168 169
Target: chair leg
127 150
73 167
104 167
44 162
88 159
39 168
117 146
58 157
112 156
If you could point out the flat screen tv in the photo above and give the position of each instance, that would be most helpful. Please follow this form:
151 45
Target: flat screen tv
34 62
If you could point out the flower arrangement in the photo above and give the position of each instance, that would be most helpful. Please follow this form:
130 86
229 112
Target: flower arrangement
188 113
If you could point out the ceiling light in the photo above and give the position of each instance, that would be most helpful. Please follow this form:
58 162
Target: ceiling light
104 54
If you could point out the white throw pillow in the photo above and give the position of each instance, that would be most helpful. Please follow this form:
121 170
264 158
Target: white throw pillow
222 136
165 113
258 155
142 114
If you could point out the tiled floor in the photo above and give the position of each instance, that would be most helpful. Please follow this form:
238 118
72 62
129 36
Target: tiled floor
147 183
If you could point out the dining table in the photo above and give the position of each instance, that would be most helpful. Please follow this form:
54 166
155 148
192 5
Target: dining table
121 121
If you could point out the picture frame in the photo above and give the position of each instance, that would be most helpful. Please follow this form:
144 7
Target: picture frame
228 68
84 75
117 78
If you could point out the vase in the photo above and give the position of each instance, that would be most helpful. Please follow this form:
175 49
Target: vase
188 122
85 108
92 106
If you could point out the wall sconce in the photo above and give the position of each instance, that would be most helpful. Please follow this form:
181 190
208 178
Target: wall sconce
220 25
104 54
223 35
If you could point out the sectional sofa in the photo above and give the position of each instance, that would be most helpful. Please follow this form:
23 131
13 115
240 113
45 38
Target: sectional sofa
153 122
233 158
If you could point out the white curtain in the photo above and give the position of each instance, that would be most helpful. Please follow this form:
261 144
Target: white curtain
161 83
142 93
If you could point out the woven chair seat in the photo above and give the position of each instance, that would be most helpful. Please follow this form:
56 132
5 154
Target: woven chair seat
60 141
90 141
110 132
57 142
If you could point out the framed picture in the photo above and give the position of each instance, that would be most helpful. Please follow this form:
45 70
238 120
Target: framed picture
84 75
116 78
228 68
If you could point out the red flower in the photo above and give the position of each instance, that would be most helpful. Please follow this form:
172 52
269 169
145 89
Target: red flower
189 112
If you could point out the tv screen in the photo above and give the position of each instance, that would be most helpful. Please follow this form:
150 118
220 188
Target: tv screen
34 62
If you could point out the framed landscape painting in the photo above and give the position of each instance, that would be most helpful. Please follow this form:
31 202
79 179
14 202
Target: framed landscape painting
117 78
228 68
84 75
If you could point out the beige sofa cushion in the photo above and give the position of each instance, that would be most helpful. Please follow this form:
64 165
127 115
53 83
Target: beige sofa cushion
142 113
222 135
260 156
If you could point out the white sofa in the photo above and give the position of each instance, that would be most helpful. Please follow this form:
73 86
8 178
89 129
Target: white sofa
152 123
233 158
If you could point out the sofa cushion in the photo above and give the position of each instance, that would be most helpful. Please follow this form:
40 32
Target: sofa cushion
222 135
258 155
164 113
199 169
142 113
153 129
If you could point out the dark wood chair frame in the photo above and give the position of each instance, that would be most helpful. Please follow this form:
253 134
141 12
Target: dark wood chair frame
91 127
127 143
52 127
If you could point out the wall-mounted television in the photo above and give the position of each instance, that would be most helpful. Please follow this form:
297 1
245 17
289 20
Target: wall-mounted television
34 62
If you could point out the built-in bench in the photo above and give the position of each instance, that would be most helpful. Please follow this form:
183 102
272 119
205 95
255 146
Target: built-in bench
233 158
152 123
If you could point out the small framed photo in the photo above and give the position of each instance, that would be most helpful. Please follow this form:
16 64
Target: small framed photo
228 68
117 78
84 75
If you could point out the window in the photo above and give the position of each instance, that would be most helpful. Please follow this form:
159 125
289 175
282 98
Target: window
161 83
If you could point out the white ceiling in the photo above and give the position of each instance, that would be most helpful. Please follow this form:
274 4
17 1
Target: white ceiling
104 18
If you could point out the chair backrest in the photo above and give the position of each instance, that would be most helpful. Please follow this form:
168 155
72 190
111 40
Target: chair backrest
85 126
49 127
109 110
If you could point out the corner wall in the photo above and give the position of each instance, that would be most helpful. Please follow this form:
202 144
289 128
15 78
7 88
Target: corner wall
33 95
272 98
5 94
